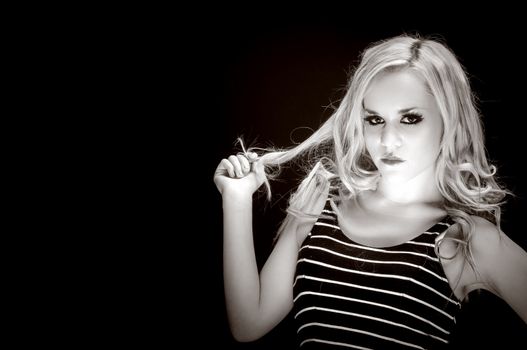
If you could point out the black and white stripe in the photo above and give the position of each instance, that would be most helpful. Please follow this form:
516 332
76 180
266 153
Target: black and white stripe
347 295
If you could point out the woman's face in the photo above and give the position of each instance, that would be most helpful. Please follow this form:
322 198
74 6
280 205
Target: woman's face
402 126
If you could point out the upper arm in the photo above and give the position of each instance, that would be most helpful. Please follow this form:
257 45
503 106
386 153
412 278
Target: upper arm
276 278
277 275
502 265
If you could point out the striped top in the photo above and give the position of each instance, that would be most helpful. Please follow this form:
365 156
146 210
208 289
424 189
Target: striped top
348 295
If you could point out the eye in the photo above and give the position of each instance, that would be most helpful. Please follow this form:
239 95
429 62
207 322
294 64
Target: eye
411 118
373 120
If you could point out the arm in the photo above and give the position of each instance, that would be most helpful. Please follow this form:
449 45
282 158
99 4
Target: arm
256 302
502 264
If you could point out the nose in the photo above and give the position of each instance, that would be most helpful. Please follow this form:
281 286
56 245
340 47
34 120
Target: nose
390 137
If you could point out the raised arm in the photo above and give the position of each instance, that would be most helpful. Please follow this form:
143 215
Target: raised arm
256 302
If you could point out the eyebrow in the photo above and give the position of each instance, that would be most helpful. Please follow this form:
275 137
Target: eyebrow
401 111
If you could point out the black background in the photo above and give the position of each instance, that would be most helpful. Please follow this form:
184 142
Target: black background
150 99
264 73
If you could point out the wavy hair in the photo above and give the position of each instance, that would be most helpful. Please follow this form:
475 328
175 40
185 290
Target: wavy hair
464 176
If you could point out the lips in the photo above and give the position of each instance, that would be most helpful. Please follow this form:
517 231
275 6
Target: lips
391 160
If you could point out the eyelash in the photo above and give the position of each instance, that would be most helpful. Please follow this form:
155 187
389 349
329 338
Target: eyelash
417 119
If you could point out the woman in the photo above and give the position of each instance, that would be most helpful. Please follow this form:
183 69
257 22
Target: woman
396 222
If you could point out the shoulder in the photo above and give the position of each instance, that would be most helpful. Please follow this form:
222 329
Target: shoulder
470 270
486 236
497 258
486 245
484 239
491 245
502 265
495 262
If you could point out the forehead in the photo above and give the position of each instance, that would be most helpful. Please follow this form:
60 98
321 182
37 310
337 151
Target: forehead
400 89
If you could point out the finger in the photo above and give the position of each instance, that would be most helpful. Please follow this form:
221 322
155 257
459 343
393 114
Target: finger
228 166
334 206
259 170
319 195
304 195
236 164
310 185
244 162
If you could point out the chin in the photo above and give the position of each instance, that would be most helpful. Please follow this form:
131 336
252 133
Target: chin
394 176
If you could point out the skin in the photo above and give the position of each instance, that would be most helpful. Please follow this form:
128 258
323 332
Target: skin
406 198
401 120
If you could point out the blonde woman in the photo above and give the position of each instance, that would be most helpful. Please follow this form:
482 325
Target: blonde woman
396 221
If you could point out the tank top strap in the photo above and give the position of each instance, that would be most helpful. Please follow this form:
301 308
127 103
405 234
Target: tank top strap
430 235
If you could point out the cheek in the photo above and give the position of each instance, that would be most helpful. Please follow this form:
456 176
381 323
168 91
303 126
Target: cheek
427 145
370 142
370 145
434 139
436 134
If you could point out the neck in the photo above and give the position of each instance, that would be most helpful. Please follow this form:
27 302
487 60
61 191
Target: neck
417 190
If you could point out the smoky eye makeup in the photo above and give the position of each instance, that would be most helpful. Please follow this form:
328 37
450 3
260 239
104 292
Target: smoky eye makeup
411 118
407 118
373 119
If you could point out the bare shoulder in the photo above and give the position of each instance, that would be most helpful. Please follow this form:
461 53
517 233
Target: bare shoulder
498 258
488 244
502 264
486 238
495 260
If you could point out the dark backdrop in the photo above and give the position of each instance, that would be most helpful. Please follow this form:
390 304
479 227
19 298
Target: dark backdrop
264 74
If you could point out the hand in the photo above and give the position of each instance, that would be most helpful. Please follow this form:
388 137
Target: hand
307 203
311 200
239 174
